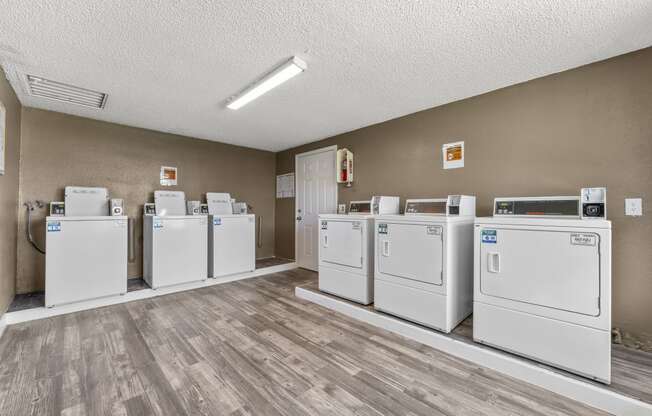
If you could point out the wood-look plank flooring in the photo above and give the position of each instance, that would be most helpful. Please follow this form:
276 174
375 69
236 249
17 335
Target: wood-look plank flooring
631 370
244 348
271 261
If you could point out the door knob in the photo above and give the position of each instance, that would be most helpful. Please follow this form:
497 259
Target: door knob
298 218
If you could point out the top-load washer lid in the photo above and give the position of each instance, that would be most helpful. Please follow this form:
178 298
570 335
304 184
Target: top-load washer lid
545 206
84 201
219 203
170 202
359 207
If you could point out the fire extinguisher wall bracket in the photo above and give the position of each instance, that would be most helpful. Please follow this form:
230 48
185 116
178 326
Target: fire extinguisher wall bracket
345 166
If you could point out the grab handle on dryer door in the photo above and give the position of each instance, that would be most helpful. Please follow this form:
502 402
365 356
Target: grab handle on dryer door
493 262
385 248
325 240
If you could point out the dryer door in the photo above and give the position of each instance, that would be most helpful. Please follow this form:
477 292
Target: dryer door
411 251
555 269
341 242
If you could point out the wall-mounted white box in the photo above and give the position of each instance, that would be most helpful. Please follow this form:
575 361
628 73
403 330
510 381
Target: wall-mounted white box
634 207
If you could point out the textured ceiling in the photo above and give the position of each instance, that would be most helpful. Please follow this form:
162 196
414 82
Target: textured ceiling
170 65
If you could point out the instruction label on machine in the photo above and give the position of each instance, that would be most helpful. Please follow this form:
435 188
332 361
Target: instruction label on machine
433 230
324 225
355 225
54 226
217 221
382 228
489 236
583 239
158 224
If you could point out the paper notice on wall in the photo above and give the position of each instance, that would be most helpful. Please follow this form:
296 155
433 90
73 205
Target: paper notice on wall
285 186
169 176
453 155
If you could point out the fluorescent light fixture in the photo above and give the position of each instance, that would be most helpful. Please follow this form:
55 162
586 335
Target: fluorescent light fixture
279 75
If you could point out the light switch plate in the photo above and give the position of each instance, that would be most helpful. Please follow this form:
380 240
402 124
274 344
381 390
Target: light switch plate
341 208
634 207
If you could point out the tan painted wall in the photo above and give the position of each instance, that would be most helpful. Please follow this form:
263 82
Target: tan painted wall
9 194
59 150
590 126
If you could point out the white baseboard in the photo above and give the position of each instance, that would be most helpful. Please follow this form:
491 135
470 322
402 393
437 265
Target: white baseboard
11 318
573 388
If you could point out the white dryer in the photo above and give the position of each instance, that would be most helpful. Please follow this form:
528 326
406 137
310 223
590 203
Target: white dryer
424 262
231 238
346 249
543 282
86 249
175 245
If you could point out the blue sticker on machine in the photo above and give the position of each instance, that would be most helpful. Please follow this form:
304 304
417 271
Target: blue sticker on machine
54 226
158 224
217 221
489 236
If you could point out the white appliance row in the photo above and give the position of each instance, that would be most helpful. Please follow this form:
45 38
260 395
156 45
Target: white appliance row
536 275
86 243
181 248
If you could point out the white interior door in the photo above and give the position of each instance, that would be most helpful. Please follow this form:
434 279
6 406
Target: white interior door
316 193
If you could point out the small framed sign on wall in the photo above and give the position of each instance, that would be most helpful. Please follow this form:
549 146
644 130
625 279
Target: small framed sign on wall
3 136
453 155
169 176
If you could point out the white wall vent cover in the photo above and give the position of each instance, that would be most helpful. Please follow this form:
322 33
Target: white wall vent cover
53 90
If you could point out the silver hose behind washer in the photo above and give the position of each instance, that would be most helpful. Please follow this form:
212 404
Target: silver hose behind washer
30 207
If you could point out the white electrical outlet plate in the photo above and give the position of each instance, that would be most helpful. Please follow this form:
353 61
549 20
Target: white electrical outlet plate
634 207
341 209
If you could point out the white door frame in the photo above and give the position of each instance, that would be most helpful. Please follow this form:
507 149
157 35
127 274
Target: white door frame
332 149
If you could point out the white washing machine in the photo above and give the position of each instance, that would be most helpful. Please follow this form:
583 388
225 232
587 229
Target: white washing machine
86 249
175 245
346 249
231 238
424 262
543 283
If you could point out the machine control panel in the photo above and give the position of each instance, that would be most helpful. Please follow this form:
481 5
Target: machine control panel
426 206
381 205
149 208
193 207
453 205
538 206
241 208
219 203
117 207
359 207
57 209
594 202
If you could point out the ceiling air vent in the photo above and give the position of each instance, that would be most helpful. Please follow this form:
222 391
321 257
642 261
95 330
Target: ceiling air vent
53 90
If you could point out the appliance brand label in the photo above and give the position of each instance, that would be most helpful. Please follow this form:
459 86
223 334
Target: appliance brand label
433 230
382 229
355 225
54 226
217 221
489 236
583 239
324 225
